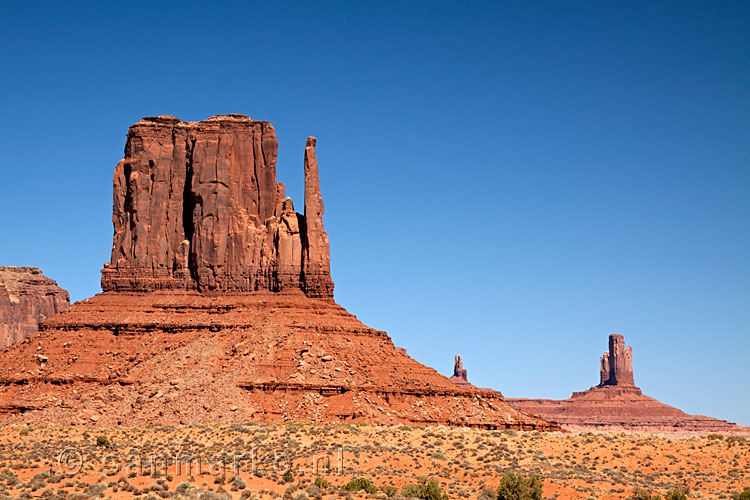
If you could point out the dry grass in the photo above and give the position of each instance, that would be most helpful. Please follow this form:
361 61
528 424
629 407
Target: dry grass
466 463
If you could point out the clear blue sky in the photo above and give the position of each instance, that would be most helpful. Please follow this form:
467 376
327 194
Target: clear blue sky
510 182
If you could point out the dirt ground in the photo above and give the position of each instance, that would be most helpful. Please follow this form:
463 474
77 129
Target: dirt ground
251 461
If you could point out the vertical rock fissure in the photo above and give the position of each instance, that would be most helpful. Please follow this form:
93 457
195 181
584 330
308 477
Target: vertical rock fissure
304 244
129 205
257 175
151 175
188 211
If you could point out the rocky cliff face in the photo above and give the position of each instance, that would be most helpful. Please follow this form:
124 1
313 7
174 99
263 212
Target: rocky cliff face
196 206
617 404
26 298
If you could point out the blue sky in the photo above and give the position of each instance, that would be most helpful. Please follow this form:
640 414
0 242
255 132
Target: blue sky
509 181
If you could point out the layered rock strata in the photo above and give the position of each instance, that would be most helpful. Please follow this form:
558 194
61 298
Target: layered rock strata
26 298
186 357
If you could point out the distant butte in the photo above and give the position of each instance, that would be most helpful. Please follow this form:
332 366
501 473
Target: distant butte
617 404
218 307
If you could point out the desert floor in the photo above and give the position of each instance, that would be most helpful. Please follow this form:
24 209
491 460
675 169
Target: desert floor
250 460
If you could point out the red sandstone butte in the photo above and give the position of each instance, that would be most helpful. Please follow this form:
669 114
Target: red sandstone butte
617 404
197 207
218 307
26 298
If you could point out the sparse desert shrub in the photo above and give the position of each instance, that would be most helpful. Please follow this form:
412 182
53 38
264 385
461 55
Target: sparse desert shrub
744 495
39 481
238 483
425 490
680 493
210 495
731 440
516 487
321 483
410 491
37 484
314 491
643 494
183 488
9 477
359 484
56 479
158 486
389 491
96 490
487 494
102 441
290 490
288 476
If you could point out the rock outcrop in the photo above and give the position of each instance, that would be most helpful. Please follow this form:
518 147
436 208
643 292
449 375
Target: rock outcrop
26 298
218 307
617 404
196 206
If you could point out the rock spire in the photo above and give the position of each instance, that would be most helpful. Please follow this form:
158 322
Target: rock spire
616 365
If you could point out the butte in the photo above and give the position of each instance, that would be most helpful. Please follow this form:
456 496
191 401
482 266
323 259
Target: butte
616 404
217 306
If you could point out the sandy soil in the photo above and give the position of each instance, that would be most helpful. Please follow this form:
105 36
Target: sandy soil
67 462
